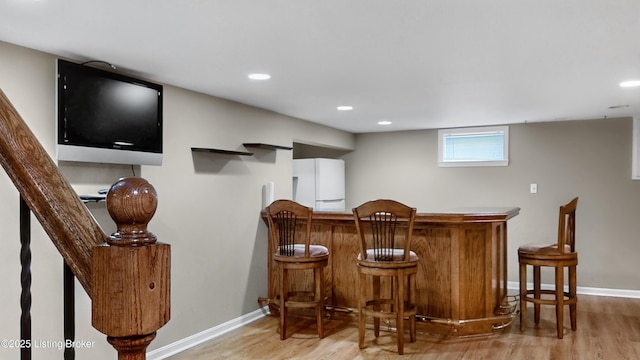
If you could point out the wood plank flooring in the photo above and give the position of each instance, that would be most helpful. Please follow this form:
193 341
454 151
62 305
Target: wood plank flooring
608 329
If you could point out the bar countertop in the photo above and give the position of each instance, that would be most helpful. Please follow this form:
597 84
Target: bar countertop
454 216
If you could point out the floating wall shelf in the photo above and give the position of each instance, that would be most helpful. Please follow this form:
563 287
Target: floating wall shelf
267 146
220 151
92 198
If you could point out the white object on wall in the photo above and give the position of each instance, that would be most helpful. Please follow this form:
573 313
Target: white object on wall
635 156
268 194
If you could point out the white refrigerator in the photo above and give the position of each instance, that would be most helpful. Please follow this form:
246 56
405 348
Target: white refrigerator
319 183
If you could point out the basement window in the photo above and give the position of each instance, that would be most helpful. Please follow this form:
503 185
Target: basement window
479 146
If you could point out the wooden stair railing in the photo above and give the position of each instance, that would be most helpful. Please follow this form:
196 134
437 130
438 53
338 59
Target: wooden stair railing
130 273
127 274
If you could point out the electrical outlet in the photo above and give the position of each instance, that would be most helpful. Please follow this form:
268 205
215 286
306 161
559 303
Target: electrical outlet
533 188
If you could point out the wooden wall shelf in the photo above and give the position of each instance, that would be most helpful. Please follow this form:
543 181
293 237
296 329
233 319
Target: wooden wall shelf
220 151
92 198
267 146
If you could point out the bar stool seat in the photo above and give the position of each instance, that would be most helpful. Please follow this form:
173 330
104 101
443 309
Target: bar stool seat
382 255
283 217
558 256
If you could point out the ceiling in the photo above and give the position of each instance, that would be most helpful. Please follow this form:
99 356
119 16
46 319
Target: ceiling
418 63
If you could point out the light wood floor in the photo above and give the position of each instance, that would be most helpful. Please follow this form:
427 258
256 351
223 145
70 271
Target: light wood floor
608 329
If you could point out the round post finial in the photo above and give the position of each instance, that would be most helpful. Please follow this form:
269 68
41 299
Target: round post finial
132 202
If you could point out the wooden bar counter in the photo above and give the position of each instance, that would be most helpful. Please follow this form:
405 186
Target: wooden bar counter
462 274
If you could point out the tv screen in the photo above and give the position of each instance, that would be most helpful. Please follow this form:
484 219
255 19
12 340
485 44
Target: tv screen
107 117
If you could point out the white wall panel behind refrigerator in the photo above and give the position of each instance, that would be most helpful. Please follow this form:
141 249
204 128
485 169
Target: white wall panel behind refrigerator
319 183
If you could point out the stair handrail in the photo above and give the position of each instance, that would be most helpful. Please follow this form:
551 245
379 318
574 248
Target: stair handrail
67 221
130 299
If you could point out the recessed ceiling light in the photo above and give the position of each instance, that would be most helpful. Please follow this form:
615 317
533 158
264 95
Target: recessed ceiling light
384 122
630 83
345 107
259 76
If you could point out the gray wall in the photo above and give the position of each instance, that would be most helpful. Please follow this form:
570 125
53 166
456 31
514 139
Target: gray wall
208 209
209 205
590 159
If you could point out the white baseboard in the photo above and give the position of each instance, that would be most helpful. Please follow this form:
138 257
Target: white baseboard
209 334
206 335
514 286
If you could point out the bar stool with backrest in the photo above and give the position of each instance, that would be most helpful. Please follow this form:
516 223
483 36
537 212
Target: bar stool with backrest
289 221
559 256
385 255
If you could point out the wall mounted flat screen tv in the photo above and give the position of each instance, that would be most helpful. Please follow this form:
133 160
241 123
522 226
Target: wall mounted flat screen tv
107 117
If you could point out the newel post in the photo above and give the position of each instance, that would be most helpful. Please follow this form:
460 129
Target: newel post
130 273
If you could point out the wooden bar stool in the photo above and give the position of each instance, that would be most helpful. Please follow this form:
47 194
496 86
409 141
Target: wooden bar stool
559 256
283 216
382 255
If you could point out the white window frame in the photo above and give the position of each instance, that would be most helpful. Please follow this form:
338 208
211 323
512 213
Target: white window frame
442 133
